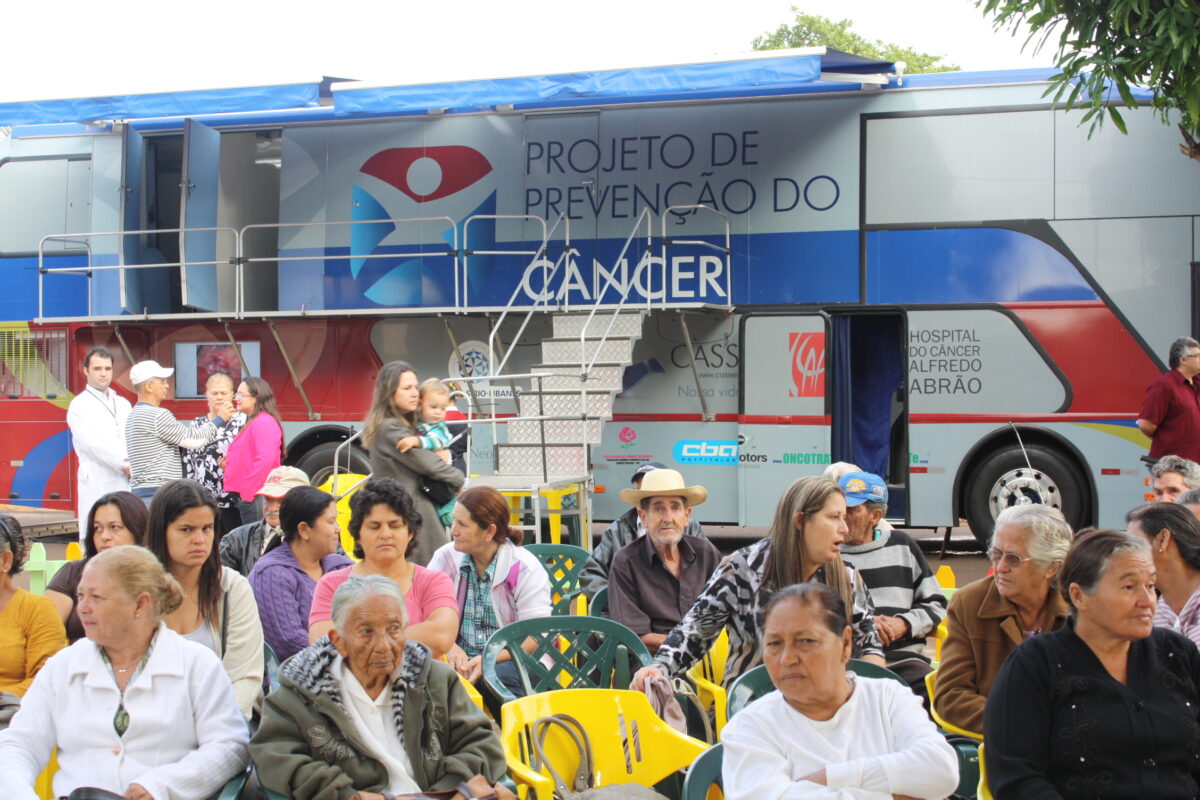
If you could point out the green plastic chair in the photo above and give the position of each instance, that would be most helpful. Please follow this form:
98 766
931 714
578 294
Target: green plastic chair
39 570
754 684
563 563
869 670
703 774
582 653
598 607
748 687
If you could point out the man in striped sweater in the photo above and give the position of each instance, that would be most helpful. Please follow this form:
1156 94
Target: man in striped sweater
153 436
908 601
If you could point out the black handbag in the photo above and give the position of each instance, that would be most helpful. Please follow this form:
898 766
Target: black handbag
438 492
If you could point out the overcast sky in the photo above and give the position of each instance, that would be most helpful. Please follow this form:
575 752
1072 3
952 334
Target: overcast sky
72 48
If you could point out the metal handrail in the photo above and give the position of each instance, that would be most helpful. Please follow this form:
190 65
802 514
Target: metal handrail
86 239
726 250
452 253
337 451
540 301
643 262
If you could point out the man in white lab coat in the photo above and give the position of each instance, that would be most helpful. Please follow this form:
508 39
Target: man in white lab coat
96 418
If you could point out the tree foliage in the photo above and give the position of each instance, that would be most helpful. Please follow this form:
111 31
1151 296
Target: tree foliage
1106 49
810 30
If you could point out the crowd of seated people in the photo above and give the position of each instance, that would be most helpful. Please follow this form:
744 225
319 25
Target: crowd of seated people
1080 678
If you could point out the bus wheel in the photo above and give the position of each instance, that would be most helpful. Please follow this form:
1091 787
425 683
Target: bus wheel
1005 479
318 462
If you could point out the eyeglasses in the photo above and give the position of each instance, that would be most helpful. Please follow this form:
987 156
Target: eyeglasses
1011 560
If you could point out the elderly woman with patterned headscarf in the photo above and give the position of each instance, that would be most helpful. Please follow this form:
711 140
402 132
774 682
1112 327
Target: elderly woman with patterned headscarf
365 711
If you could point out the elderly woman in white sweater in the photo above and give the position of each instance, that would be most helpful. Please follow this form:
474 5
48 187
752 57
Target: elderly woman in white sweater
827 733
134 708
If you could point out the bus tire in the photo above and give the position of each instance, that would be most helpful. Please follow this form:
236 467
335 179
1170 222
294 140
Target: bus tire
318 462
1004 479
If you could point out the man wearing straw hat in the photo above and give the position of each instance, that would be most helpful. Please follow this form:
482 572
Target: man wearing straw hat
624 530
655 579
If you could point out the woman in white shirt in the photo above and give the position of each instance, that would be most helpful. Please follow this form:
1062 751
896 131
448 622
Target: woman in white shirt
826 732
133 708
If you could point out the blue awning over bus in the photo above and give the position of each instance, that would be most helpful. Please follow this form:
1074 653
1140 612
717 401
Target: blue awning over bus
161 104
813 69
772 72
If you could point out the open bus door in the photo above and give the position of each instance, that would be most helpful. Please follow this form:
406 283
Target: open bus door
818 388
784 422
198 209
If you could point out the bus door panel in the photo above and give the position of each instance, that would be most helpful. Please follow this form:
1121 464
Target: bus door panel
784 424
133 166
198 209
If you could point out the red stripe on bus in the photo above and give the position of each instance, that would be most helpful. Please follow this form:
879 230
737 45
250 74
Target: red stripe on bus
933 419
1110 471
919 470
743 419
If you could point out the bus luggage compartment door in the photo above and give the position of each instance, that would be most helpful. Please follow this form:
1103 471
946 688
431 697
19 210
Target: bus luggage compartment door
783 424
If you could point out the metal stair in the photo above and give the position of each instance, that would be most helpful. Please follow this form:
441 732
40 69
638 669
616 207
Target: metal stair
549 450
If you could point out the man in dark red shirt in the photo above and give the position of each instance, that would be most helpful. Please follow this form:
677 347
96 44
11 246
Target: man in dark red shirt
1170 414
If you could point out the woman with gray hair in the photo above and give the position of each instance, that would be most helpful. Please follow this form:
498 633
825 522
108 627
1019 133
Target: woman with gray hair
367 713
987 619
133 708
1174 536
1108 706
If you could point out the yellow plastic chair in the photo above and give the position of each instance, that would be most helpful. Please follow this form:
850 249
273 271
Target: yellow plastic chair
939 636
44 785
930 687
630 744
945 577
346 482
74 551
984 792
707 674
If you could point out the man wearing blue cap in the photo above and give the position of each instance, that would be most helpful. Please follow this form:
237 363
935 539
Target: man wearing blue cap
908 601
623 530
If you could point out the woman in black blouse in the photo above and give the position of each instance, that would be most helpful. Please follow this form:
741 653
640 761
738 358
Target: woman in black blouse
1106 707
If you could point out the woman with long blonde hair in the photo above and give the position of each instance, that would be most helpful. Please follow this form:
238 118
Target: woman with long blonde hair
802 546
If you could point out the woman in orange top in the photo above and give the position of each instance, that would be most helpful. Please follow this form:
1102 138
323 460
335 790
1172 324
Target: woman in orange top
30 630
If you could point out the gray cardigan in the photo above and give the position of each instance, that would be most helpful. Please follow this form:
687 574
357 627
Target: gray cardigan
407 469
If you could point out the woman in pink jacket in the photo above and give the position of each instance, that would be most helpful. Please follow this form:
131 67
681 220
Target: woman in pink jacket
257 449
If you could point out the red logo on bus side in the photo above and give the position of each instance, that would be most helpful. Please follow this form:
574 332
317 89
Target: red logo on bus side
808 364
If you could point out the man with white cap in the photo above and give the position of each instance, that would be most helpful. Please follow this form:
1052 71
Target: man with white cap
96 418
153 436
909 604
242 547
623 530
655 579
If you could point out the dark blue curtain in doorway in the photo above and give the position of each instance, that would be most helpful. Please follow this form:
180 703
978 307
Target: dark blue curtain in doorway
866 358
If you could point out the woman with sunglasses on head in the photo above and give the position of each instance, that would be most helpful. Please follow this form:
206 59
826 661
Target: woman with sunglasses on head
30 630
117 518
218 609
988 619
257 449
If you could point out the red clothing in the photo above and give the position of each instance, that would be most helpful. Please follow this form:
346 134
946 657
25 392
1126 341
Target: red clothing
1173 405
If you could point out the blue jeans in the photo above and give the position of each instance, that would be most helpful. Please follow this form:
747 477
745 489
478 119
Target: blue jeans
252 511
146 493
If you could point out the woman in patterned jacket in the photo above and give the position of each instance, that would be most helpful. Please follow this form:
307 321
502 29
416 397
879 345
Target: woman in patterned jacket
802 546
